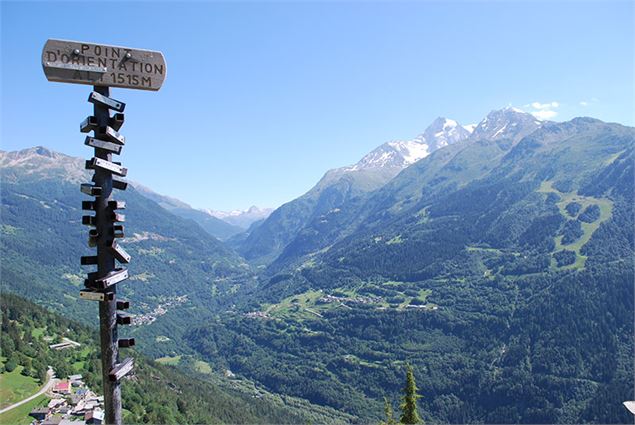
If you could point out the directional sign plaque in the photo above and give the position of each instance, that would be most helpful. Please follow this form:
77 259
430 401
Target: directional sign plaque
121 369
101 65
96 296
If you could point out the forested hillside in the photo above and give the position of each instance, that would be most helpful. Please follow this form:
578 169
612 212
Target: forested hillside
153 394
175 264
500 267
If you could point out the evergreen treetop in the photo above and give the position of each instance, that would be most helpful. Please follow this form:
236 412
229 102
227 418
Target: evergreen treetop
409 413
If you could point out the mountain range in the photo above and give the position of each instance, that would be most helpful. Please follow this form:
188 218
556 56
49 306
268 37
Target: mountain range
220 224
242 218
499 266
294 222
498 262
329 210
174 261
215 226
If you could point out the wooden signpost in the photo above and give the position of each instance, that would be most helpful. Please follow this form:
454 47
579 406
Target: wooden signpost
104 66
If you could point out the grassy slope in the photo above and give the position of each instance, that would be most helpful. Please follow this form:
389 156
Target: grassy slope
20 415
309 306
157 393
606 210
490 307
15 387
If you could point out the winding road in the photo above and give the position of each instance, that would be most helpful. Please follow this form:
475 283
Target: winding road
49 383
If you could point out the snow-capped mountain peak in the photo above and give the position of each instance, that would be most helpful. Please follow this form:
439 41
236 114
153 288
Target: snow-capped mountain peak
411 150
507 123
443 132
402 153
241 218
395 154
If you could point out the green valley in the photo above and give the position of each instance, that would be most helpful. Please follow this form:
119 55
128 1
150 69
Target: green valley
478 293
154 394
497 266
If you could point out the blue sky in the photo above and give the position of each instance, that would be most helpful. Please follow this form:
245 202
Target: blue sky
261 98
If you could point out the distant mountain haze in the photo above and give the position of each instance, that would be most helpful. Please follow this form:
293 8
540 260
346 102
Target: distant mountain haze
214 226
241 218
220 224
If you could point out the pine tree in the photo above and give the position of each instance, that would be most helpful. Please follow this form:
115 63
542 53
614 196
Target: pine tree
390 419
409 413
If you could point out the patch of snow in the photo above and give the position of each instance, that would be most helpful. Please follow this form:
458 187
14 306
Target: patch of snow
413 152
449 124
252 213
402 153
500 130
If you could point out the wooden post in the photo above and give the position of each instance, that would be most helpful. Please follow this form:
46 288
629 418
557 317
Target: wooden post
104 67
106 264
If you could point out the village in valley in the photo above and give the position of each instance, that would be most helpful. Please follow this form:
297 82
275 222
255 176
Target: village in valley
72 403
67 399
314 303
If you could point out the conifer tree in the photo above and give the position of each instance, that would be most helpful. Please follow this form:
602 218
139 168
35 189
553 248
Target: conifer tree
409 414
390 419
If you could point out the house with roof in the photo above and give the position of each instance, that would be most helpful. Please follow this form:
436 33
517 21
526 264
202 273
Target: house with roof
79 408
75 399
40 413
95 417
91 404
76 380
62 387
52 421
56 402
